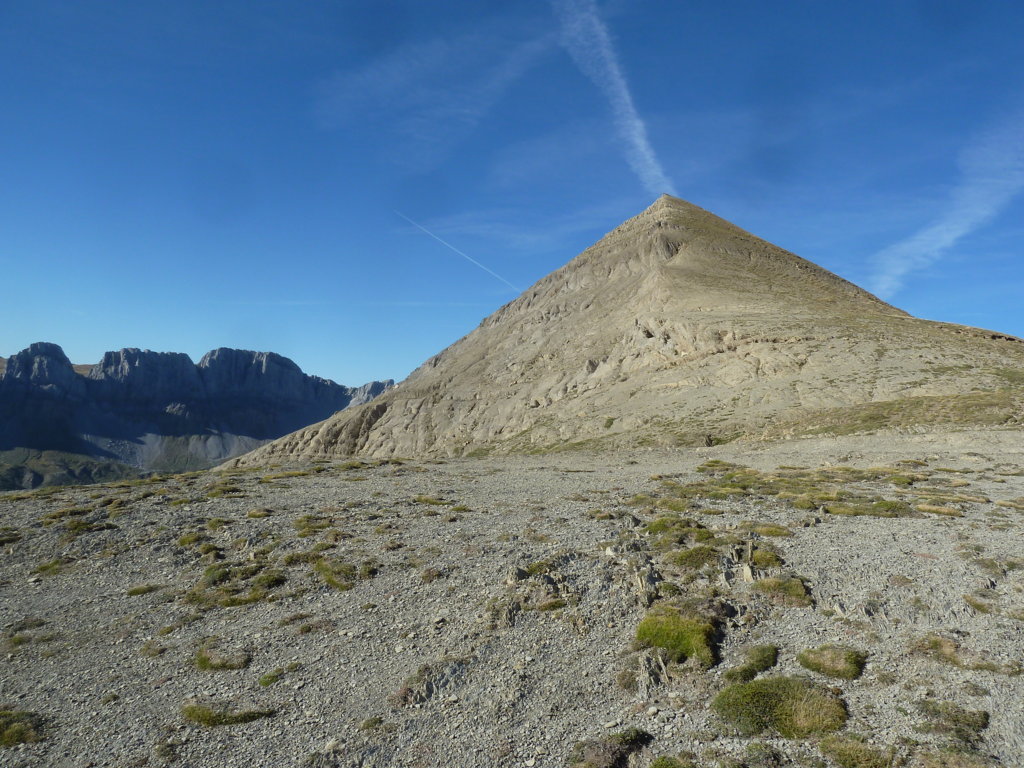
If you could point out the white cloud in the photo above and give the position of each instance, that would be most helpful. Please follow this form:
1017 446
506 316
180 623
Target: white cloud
991 175
586 38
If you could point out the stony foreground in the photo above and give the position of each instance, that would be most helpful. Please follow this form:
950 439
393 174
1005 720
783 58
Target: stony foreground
486 612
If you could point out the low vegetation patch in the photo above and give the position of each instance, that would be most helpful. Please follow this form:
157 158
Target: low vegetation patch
759 659
611 751
767 529
786 590
9 535
880 508
836 490
948 651
853 752
679 635
142 589
228 584
791 706
212 717
834 661
18 727
963 726
694 558
210 658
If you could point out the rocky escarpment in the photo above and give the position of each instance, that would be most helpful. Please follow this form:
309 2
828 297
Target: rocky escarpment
153 410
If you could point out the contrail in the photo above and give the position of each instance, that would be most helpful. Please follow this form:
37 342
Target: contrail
467 257
992 174
586 38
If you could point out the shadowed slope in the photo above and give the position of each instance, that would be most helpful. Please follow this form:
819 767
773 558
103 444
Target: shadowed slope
675 326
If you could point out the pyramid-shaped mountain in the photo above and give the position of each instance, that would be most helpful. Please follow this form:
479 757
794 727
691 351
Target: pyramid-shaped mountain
679 328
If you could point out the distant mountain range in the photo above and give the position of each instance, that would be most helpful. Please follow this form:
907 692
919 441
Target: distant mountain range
142 410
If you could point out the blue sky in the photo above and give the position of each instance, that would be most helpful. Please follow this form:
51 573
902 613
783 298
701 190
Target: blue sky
188 175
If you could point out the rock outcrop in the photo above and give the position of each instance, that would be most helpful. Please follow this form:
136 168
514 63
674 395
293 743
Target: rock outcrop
679 328
154 410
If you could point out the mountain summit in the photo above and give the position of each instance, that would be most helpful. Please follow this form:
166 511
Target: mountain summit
678 328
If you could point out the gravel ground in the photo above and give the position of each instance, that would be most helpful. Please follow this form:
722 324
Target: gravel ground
483 611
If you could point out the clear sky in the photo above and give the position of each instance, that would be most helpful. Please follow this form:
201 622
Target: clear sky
187 175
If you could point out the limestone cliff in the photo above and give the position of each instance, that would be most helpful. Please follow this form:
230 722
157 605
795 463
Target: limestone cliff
152 410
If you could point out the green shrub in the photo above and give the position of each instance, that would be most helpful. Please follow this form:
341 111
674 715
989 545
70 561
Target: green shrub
834 661
672 762
680 636
336 574
793 707
343 576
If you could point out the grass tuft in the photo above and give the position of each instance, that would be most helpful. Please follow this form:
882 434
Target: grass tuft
612 751
210 659
212 717
834 661
681 637
787 590
852 752
18 727
760 658
793 707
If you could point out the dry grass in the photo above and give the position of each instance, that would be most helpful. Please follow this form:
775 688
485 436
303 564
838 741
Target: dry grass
793 707
17 727
834 661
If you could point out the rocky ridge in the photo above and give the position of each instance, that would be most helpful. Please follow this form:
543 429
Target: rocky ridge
157 410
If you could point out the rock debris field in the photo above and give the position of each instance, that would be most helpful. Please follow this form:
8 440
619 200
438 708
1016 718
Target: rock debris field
818 602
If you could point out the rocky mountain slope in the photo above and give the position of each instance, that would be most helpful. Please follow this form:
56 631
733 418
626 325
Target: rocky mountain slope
679 328
151 410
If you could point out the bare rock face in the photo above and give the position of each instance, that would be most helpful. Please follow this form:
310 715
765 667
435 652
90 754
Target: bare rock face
43 366
678 328
135 375
151 410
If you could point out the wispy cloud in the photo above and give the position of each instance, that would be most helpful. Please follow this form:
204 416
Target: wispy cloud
586 38
556 232
451 247
430 95
991 175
